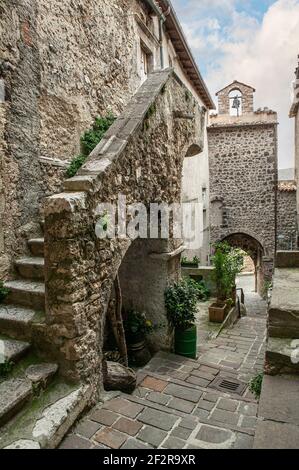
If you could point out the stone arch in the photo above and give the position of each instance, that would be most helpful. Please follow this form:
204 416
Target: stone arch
141 157
254 249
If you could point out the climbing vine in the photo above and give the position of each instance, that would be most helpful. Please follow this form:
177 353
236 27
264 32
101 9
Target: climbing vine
89 141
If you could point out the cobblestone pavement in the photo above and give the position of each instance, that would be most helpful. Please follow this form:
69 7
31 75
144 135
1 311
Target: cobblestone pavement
175 405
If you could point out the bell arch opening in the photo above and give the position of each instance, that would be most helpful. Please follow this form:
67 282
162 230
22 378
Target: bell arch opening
235 102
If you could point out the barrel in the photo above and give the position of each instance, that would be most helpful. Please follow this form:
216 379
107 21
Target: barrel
185 342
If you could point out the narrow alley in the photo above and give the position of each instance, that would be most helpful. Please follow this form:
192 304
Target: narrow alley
180 403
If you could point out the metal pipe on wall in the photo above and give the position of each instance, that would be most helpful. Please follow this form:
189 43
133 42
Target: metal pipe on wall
162 18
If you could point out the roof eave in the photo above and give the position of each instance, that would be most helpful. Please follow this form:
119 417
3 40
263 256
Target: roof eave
194 75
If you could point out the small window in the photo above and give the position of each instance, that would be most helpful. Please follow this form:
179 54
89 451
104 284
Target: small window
144 65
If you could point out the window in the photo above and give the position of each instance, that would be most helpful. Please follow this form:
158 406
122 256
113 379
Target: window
144 65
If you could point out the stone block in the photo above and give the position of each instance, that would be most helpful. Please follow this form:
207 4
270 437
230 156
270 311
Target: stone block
226 417
185 393
228 405
75 442
154 384
158 419
181 405
152 436
127 426
87 428
110 438
174 443
123 407
275 435
214 435
105 417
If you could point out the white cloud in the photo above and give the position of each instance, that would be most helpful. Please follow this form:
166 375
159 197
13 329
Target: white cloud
262 54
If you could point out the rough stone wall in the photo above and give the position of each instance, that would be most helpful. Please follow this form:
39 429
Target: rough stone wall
243 178
297 158
247 98
286 219
62 64
141 157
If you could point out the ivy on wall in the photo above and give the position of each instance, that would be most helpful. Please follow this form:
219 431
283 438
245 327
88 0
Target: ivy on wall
89 141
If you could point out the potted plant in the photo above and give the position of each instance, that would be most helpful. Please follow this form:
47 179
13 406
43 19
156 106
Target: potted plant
228 262
190 263
137 326
180 301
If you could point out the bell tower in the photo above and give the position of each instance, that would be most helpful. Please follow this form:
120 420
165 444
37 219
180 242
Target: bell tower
236 99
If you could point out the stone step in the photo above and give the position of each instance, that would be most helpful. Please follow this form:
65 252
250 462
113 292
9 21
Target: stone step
15 392
12 350
278 423
36 246
16 321
283 309
26 293
282 355
31 268
50 416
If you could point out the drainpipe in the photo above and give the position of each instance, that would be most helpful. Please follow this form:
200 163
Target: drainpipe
162 19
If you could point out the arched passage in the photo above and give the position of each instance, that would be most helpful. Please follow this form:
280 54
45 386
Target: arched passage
253 248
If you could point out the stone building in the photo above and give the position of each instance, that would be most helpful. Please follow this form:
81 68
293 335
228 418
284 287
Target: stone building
286 210
243 176
68 73
63 64
294 113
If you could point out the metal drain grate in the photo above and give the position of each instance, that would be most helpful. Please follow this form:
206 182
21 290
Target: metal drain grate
228 385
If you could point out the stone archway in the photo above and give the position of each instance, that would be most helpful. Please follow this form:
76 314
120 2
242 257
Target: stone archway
140 157
255 250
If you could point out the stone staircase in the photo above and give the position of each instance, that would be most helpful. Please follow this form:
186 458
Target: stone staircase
282 355
37 407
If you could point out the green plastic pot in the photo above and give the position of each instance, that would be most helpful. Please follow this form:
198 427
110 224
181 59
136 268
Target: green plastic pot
185 342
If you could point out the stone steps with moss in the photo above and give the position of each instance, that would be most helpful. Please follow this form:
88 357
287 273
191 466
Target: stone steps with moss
46 418
19 388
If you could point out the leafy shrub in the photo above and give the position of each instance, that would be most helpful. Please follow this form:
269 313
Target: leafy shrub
180 301
89 141
255 385
203 292
75 164
194 261
136 323
228 262
3 292
93 136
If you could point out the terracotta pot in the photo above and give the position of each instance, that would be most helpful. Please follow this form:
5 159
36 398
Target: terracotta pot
218 311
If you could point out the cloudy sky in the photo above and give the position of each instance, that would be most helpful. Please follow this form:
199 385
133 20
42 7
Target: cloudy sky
253 41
